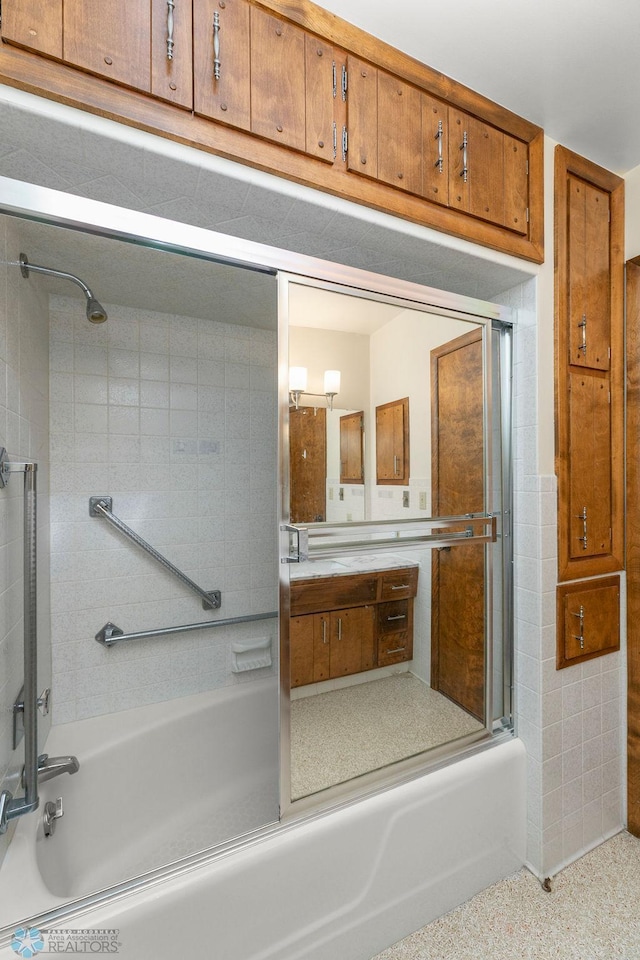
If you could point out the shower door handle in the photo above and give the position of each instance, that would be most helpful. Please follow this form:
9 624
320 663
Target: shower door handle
300 550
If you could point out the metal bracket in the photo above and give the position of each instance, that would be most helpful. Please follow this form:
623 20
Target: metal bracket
106 502
43 703
4 474
107 633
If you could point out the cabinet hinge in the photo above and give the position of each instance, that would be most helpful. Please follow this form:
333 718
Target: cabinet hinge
344 82
335 80
335 139
345 144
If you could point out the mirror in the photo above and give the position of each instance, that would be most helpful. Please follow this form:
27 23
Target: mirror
388 652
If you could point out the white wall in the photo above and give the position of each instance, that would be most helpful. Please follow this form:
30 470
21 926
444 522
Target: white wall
24 432
175 418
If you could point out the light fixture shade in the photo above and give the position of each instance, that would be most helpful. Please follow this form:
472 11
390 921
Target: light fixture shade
331 381
298 378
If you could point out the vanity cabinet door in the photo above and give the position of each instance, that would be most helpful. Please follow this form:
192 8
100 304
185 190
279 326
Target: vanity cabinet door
301 643
34 24
352 633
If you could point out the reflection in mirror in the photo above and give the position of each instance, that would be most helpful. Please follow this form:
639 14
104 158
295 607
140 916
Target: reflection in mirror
388 652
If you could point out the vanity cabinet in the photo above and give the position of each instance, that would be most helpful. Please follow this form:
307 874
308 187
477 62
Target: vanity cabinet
294 90
348 624
392 442
588 620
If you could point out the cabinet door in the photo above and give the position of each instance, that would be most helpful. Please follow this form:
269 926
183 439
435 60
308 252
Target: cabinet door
590 506
588 620
351 448
476 167
589 275
399 133
301 643
362 122
516 184
113 44
392 442
172 52
34 24
277 80
319 57
222 90
352 633
435 150
321 646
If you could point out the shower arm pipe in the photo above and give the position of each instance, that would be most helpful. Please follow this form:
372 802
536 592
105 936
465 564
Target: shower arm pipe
27 267
10 806
101 507
110 634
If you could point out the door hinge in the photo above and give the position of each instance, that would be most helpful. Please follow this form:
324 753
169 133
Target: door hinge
345 144
335 139
335 80
344 82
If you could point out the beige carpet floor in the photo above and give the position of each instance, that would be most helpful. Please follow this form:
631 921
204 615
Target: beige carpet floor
342 734
592 913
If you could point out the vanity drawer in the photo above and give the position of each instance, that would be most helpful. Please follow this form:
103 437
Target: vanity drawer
332 593
398 584
395 648
394 616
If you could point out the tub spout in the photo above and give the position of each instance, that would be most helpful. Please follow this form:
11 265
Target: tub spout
50 767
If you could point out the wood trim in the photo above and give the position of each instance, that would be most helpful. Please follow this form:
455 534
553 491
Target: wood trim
633 546
568 163
65 84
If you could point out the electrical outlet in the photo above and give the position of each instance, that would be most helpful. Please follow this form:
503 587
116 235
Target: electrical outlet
330 493
423 499
405 498
341 493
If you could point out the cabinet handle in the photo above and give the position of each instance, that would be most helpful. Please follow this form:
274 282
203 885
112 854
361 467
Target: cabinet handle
583 516
401 586
216 45
395 465
583 325
324 631
170 6
464 173
580 636
398 616
439 137
387 653
339 628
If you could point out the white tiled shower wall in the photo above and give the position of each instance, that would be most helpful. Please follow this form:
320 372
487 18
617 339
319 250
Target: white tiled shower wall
175 418
24 432
571 720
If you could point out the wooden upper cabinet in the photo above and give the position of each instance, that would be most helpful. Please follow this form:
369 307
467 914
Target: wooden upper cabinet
476 163
34 24
392 442
113 42
589 275
319 108
278 59
435 150
590 481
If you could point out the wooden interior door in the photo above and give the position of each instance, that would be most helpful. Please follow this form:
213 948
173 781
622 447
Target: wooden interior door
458 572
633 546
308 464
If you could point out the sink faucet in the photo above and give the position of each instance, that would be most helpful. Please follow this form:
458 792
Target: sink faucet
50 767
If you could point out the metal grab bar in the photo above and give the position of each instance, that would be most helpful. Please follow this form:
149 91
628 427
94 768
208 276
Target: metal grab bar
111 634
101 507
10 806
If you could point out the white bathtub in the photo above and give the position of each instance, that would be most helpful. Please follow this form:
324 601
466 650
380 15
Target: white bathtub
338 886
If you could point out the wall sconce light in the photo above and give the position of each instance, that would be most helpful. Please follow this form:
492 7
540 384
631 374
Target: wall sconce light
298 385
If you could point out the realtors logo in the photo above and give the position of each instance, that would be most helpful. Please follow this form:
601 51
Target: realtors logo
28 942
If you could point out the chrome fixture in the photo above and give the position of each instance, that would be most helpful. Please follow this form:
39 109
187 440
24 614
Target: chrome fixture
96 313
52 812
111 634
101 507
10 806
50 767
298 385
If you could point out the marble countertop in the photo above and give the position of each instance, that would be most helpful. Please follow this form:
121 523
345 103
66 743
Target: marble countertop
343 566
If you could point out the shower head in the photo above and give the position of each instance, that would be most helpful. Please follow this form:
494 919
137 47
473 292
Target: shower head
95 311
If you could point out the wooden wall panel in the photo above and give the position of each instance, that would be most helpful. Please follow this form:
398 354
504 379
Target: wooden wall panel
633 546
